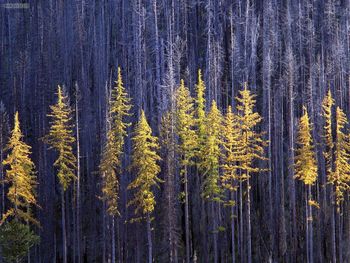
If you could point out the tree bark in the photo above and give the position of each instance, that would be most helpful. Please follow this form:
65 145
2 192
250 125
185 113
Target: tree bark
149 238
249 237
187 223
64 234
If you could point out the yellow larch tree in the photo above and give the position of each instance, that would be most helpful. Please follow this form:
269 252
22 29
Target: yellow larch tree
111 161
210 164
306 171
61 139
20 176
253 146
340 177
185 129
110 166
16 237
232 155
327 105
211 154
145 165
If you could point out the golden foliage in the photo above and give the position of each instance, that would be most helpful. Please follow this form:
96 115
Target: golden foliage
61 139
305 160
20 176
144 164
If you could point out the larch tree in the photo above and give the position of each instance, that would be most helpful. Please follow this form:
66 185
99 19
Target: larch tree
200 115
20 176
111 162
306 171
185 127
61 139
253 145
327 106
340 178
145 165
231 143
211 152
16 237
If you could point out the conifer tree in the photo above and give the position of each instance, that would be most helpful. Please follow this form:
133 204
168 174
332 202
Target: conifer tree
112 155
200 118
111 162
327 106
16 238
211 190
306 171
211 154
340 178
252 146
20 176
61 139
200 114
144 164
185 127
231 142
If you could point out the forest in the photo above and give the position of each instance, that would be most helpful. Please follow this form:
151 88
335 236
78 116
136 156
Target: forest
174 131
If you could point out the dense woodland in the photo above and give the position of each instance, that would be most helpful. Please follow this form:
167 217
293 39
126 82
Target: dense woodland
175 131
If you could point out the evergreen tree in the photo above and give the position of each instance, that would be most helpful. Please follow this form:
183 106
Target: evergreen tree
185 127
306 171
252 146
144 163
61 139
16 239
20 176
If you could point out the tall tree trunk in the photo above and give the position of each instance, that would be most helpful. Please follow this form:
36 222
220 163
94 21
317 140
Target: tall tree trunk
64 234
113 240
241 237
333 238
249 234
78 172
215 234
311 245
149 238
187 223
233 230
340 234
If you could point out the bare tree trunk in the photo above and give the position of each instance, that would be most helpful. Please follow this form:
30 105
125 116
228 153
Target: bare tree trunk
78 173
149 238
113 240
233 230
333 238
311 245
249 237
215 235
64 235
241 237
187 223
